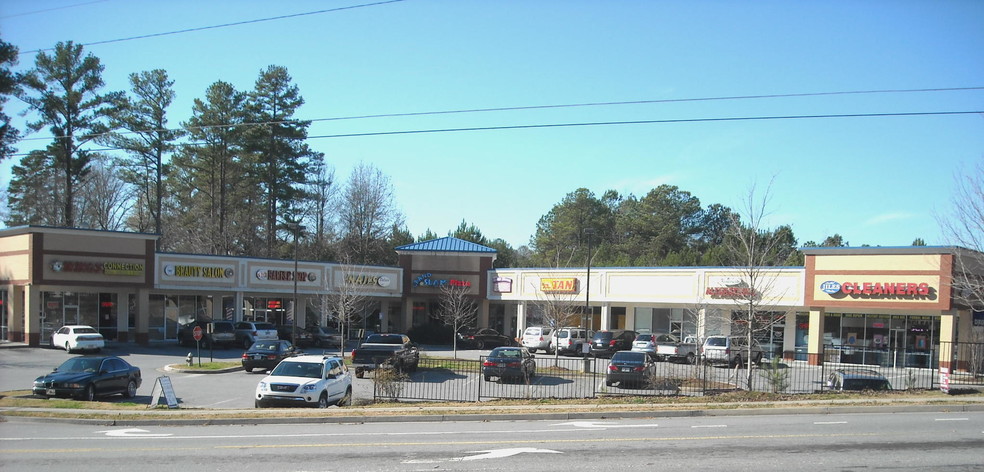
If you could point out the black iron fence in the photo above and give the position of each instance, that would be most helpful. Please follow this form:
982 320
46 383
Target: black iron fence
439 379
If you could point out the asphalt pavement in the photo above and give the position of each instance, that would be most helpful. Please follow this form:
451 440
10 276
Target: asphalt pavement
422 411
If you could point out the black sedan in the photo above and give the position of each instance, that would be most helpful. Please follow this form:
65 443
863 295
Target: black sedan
267 354
630 368
509 363
484 338
87 377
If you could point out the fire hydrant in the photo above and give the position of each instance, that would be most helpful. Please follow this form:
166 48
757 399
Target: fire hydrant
189 359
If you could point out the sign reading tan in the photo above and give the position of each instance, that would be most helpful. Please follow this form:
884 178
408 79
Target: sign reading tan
565 285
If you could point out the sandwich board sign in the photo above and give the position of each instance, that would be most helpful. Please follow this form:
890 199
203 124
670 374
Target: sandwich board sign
162 386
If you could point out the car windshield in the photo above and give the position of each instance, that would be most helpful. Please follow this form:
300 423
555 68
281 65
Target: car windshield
80 364
267 346
384 339
85 330
563 334
623 356
532 332
499 352
717 342
298 369
265 326
644 337
603 336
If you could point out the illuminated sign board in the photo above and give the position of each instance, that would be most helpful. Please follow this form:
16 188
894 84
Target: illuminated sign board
202 272
876 289
565 285
380 280
273 275
428 280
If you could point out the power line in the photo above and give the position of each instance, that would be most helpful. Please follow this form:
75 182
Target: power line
611 123
225 25
542 107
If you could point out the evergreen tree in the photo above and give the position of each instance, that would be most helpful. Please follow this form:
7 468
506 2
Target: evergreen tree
8 87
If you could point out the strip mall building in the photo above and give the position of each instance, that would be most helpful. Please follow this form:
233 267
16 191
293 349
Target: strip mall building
884 306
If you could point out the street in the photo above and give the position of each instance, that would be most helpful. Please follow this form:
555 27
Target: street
910 441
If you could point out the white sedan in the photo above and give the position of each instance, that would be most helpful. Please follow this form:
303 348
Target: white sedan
78 338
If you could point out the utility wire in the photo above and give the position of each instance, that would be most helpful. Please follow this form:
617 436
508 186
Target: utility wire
534 107
225 25
609 123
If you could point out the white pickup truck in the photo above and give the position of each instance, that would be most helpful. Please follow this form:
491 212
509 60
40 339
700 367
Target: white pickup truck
671 348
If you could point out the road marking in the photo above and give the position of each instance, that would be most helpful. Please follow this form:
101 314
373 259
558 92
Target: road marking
596 424
133 433
952 419
830 422
500 453
709 426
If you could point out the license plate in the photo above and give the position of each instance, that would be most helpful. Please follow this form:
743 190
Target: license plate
50 391
626 369
501 364
257 357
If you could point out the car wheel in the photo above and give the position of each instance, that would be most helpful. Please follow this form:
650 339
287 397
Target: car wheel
346 400
131 389
323 400
758 359
68 348
609 383
488 378
691 358
532 350
246 343
359 373
737 362
481 345
89 394
248 369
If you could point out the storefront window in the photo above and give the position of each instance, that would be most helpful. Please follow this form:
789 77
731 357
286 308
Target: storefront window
885 340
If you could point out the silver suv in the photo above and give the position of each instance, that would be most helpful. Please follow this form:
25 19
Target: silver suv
731 350
537 337
248 332
569 340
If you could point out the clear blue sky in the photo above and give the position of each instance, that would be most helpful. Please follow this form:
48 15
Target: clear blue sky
874 180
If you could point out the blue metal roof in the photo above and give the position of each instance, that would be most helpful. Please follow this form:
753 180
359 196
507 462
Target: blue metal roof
447 244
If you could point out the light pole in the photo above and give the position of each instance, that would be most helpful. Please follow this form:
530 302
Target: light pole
588 232
297 228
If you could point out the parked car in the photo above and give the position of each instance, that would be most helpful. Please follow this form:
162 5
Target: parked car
645 343
509 363
627 368
570 340
730 350
485 338
538 337
214 334
267 354
606 343
317 381
78 338
327 337
88 377
305 338
857 379
248 332
395 350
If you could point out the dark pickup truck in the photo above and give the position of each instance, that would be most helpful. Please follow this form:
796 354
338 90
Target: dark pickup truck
392 349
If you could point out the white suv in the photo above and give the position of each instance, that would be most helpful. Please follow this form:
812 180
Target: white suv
731 350
537 337
570 340
306 381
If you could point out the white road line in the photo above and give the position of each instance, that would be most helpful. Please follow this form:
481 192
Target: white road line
830 422
952 419
709 426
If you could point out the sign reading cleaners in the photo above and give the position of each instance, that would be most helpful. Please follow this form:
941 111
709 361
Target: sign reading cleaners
877 290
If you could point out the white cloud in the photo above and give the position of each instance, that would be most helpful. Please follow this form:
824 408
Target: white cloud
887 218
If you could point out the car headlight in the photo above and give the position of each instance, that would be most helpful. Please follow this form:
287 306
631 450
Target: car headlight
263 386
309 388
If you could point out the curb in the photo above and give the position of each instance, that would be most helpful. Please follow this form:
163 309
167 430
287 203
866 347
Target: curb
487 417
170 368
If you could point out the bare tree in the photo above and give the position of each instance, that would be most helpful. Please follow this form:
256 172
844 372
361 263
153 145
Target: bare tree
105 198
756 252
344 301
556 309
367 213
457 310
964 227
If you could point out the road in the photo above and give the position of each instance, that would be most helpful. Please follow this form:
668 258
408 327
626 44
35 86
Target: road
908 441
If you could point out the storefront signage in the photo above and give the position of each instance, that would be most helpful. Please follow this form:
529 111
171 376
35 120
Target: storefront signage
502 285
203 272
566 285
105 268
285 275
730 292
380 280
876 289
427 280
979 318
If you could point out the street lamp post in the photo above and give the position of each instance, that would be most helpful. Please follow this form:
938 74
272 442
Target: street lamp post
588 232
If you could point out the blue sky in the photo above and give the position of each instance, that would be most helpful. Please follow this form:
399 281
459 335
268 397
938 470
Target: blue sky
874 180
